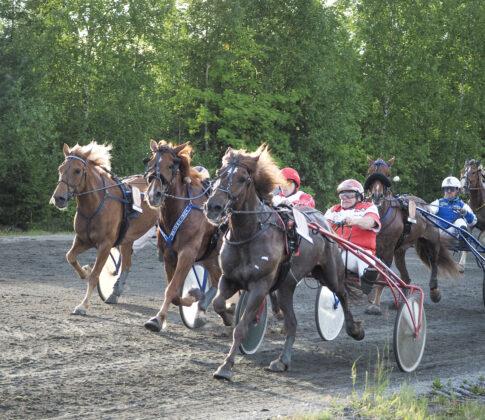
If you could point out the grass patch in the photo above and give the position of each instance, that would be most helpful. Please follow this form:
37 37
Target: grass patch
376 401
33 232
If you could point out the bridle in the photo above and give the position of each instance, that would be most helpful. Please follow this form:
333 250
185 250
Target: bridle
71 189
468 172
230 170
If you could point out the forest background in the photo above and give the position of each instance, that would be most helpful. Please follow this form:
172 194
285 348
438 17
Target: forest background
323 83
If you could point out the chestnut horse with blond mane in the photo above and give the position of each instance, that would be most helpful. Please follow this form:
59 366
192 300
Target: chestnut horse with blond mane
100 221
185 235
397 235
254 253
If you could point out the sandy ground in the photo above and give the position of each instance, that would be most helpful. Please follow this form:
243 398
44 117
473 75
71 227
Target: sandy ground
106 365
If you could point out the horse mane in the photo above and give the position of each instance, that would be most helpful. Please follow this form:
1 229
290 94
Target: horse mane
184 154
262 168
98 154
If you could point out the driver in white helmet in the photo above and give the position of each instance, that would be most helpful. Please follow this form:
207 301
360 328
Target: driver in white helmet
451 207
360 221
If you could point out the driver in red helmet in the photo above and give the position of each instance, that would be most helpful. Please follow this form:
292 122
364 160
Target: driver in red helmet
290 193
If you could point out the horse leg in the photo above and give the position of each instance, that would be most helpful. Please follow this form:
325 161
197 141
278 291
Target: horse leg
214 274
225 291
275 306
78 247
101 257
254 300
126 251
172 292
461 264
285 300
435 293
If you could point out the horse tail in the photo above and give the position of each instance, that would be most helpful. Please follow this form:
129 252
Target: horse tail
445 262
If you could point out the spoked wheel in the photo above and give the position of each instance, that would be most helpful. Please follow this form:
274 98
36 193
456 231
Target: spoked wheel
329 315
198 277
109 274
409 349
483 286
256 329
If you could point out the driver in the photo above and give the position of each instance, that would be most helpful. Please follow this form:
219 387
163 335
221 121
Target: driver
452 208
359 222
290 194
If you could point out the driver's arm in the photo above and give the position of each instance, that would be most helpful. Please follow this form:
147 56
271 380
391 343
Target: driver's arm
364 222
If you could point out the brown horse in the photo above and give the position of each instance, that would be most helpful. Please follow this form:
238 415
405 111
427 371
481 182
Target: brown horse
185 235
397 235
473 181
254 255
100 221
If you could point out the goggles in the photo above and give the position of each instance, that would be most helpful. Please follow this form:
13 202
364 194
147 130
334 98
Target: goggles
347 195
450 189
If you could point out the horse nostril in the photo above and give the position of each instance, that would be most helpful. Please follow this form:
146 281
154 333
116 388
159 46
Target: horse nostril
60 198
217 208
158 194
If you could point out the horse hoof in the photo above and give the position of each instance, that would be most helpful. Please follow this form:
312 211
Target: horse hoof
200 321
461 268
279 315
278 366
112 299
357 331
153 325
223 372
392 306
196 293
373 310
78 310
435 295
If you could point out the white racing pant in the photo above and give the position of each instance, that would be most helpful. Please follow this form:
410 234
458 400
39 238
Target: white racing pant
354 264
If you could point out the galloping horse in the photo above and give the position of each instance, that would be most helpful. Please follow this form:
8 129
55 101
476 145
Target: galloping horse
101 219
254 253
397 235
185 235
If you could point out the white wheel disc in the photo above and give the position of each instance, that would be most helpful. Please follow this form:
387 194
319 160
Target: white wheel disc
408 349
329 315
198 278
256 328
109 274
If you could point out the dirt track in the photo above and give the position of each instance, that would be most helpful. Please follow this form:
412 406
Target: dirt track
106 365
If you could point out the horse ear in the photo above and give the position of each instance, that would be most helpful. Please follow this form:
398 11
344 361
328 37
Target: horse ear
228 151
180 147
66 149
370 161
153 146
391 161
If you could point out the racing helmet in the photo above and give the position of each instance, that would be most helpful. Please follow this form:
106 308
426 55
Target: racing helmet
350 185
203 171
451 181
291 175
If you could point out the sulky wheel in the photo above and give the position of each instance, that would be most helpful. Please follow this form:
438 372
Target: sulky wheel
109 274
197 278
256 329
329 315
407 348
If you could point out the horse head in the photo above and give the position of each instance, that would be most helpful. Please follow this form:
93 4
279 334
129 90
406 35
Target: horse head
242 178
377 182
73 172
470 175
167 165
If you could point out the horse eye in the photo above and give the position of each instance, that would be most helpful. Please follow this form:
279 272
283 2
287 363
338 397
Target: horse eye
77 171
241 180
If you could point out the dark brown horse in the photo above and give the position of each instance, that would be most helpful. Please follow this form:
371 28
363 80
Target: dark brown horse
100 220
397 235
254 255
175 189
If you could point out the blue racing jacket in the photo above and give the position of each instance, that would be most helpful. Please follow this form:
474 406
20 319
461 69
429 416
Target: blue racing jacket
449 209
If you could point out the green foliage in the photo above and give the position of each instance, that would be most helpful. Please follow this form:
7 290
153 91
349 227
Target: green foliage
323 86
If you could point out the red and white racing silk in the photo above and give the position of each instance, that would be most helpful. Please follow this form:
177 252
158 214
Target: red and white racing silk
361 237
298 199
